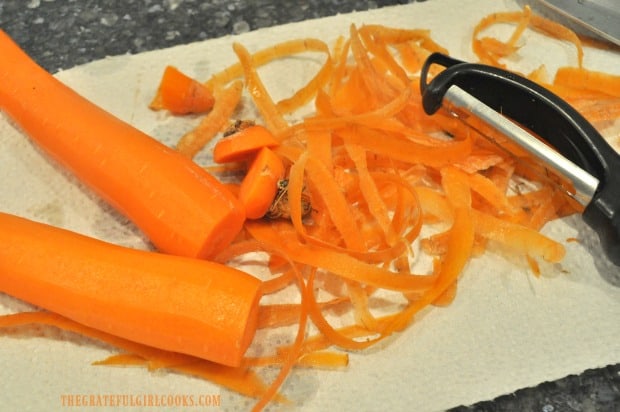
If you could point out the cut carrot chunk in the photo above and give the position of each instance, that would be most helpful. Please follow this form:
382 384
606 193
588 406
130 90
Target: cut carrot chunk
243 144
260 185
180 94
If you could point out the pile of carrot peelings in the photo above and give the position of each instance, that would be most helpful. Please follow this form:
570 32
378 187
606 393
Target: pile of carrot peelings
596 95
371 188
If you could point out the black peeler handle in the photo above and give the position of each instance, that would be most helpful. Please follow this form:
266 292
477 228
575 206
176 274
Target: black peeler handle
547 115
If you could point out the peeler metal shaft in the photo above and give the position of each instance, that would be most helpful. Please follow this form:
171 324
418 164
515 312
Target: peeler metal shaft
464 105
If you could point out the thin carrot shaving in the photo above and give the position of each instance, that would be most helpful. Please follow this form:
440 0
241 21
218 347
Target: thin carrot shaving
521 238
337 205
264 56
316 360
600 110
370 192
226 99
336 262
52 319
361 310
241 380
296 348
288 313
538 75
278 283
324 359
305 94
491 50
378 47
524 22
271 114
333 335
583 79
122 359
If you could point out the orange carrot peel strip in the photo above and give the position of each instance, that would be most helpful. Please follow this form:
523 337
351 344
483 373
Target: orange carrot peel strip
226 101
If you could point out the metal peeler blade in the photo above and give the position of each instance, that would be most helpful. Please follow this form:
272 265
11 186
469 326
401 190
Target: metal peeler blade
599 19
578 152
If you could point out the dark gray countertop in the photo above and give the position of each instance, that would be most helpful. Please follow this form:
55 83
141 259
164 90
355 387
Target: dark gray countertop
63 33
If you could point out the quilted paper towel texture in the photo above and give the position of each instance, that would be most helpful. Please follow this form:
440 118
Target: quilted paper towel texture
506 330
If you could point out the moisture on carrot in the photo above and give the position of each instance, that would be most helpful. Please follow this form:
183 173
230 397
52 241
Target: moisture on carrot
180 94
181 208
175 303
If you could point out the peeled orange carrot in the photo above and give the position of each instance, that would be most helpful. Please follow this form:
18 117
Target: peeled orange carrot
180 207
175 303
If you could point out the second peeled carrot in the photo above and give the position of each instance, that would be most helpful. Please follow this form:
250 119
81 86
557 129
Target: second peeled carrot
181 208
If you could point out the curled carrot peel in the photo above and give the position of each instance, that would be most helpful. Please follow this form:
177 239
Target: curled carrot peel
239 379
491 50
365 129
263 101
180 94
278 51
226 100
583 79
181 208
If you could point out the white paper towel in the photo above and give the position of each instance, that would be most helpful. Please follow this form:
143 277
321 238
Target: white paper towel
505 330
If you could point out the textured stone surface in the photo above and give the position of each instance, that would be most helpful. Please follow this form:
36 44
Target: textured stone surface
60 34
64 33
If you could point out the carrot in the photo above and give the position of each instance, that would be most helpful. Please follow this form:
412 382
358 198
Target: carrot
281 50
226 100
488 53
519 237
581 78
180 207
271 114
243 144
178 304
180 94
239 379
154 356
286 314
260 185
337 263
324 359
376 169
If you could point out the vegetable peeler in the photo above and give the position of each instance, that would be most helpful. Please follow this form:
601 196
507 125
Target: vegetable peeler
574 150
